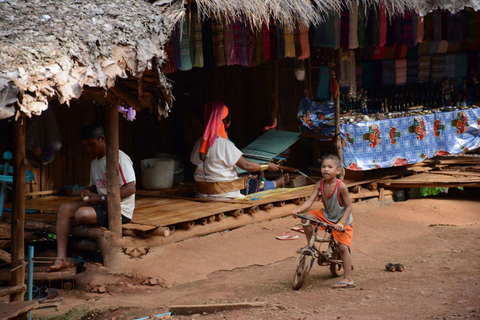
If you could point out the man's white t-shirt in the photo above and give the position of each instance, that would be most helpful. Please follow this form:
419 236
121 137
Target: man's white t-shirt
98 178
219 165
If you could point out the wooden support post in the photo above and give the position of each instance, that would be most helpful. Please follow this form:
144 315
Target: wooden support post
266 207
219 216
381 194
113 184
18 207
211 219
253 209
279 203
338 139
5 256
236 213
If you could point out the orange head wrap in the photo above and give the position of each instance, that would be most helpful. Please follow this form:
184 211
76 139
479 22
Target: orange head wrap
215 112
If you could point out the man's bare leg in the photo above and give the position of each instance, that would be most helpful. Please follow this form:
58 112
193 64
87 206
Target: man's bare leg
65 213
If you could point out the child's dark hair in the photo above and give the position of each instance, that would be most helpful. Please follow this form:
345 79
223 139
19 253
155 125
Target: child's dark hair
333 157
91 130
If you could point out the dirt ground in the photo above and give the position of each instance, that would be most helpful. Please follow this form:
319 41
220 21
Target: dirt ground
437 240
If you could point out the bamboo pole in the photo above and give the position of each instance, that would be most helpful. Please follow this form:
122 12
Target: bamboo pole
113 184
338 139
18 207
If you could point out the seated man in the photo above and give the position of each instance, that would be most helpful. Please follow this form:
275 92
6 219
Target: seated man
216 158
91 209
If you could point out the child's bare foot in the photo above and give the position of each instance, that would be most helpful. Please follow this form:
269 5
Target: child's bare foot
282 181
61 263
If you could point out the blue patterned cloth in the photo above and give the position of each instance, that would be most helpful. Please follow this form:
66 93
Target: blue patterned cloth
408 140
317 117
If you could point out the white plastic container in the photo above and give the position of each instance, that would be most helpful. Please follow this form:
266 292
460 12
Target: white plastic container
157 173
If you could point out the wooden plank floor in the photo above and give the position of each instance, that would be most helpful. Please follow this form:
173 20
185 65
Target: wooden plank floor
158 211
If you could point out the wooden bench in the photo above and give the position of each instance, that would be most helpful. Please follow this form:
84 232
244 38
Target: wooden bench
15 309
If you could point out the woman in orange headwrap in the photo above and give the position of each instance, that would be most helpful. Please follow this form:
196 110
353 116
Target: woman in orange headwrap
216 157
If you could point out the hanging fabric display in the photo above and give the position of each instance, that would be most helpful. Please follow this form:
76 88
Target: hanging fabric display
420 29
347 72
169 65
472 30
361 25
337 22
450 66
259 55
207 44
388 73
344 29
289 45
218 47
407 30
382 25
186 61
460 68
304 43
273 39
400 71
367 77
266 41
377 73
240 44
280 42
197 33
412 71
323 89
296 42
353 27
250 45
229 44
358 75
437 26
438 67
177 59
423 68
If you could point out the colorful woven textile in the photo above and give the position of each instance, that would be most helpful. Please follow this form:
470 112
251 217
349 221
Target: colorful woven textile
186 61
169 65
240 42
304 43
323 89
407 30
266 41
460 67
423 68
361 25
250 34
197 33
472 30
400 71
229 44
442 47
449 66
218 47
207 44
353 27
273 39
176 46
259 55
324 35
382 25
367 76
388 73
280 42
412 71
438 67
338 30
344 29
437 25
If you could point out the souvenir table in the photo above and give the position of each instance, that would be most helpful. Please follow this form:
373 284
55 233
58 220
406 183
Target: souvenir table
399 141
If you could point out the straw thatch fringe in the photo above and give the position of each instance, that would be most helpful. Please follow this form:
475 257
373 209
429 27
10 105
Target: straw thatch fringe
51 48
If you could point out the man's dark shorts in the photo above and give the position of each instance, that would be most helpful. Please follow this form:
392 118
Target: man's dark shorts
102 215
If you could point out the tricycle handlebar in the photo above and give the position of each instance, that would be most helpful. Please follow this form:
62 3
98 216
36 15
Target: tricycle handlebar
321 223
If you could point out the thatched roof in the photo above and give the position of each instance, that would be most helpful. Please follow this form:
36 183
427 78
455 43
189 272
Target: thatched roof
51 48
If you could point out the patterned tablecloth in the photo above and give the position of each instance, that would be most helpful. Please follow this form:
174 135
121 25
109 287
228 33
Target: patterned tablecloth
407 140
398 141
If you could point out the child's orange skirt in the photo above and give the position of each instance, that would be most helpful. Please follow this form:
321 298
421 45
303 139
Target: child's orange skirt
342 237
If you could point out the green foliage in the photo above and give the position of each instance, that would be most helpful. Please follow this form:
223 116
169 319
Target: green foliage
425 192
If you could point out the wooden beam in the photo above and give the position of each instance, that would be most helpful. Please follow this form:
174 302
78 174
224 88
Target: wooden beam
18 207
9 290
113 183
122 93
5 256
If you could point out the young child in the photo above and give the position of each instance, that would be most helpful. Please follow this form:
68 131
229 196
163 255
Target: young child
337 211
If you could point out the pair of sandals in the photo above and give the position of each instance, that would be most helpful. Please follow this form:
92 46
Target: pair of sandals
42 293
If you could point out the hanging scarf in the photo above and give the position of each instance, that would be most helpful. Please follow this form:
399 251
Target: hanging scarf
280 42
353 27
438 67
400 71
169 66
323 89
361 25
250 33
344 29
382 25
186 61
273 39
337 21
229 44
296 42
266 41
176 47
197 32
437 25
388 72
217 37
407 30
460 68
207 44
412 71
259 55
472 30
289 44
214 113
367 76
423 68
304 44
450 66
240 41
